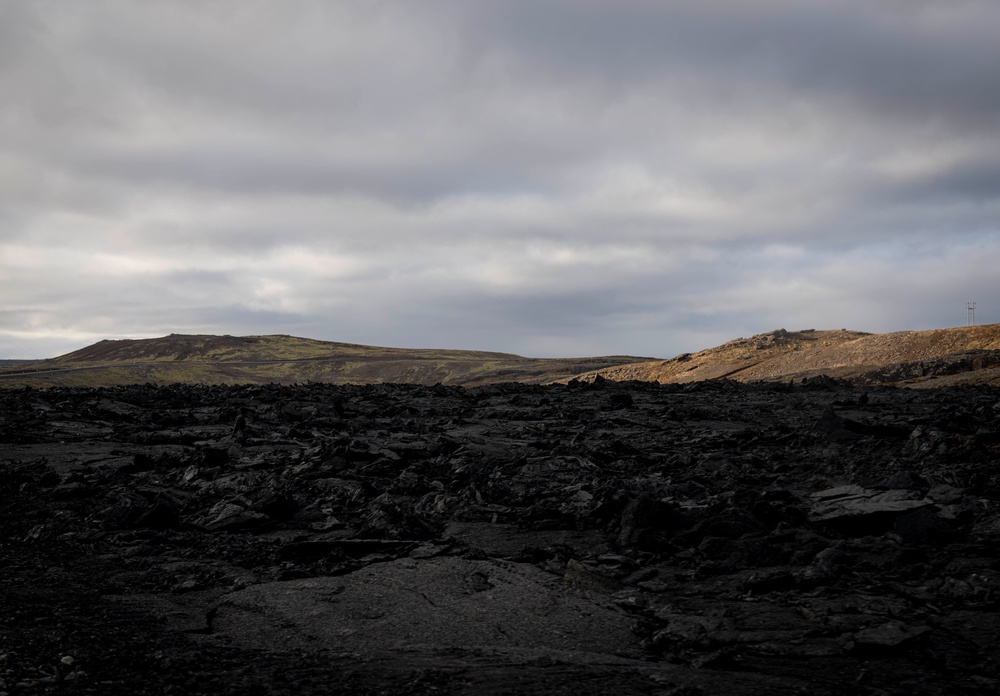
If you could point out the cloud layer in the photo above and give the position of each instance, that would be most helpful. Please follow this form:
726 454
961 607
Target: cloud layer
547 177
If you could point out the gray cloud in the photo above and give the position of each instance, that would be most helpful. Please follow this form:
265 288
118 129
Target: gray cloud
545 177
897 55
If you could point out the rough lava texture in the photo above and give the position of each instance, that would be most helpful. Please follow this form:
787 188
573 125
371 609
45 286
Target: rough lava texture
589 538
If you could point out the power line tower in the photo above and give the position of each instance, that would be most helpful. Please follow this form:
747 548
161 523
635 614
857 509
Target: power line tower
970 307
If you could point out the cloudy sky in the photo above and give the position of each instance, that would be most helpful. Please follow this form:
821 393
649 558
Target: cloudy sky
545 177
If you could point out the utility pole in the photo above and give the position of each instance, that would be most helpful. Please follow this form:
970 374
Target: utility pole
970 307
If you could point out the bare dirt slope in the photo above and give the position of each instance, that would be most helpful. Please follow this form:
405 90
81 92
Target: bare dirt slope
914 358
206 359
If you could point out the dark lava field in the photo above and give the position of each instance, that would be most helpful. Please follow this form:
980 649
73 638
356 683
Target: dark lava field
711 538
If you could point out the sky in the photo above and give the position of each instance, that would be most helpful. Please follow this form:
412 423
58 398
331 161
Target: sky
543 177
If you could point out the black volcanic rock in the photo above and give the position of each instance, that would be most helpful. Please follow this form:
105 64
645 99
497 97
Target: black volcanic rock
625 538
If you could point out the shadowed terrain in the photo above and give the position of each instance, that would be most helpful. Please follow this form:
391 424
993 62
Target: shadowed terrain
603 538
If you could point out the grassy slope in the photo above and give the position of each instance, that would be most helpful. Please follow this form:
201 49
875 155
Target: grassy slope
287 360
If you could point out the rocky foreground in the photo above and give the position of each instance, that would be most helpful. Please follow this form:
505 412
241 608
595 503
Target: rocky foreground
587 538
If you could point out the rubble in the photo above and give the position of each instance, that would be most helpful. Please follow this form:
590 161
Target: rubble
592 537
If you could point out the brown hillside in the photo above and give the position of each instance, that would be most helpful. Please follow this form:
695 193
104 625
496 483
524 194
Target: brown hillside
913 358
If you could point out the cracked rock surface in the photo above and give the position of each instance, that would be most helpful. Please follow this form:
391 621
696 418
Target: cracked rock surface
619 538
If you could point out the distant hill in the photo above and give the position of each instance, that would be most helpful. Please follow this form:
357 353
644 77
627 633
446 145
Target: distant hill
207 359
940 357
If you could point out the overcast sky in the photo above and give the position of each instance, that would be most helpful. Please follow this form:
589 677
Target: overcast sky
545 177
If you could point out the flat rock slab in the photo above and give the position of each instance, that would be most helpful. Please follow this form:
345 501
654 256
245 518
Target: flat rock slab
437 603
855 501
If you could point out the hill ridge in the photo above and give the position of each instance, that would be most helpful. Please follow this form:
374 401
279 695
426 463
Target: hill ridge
227 348
284 359
932 357
928 358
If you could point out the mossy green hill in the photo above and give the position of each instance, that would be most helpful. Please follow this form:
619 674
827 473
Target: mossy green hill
208 359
